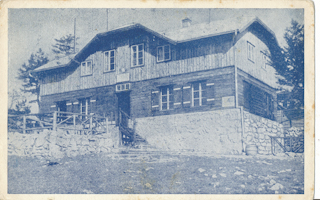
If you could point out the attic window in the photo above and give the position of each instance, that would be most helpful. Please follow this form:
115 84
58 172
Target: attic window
250 51
163 53
86 68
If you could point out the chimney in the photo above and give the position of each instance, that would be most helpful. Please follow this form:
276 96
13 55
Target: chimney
186 22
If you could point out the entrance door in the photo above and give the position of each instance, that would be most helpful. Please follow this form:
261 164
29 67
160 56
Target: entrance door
123 108
61 107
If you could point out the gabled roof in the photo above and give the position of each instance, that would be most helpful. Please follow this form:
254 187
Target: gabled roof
187 34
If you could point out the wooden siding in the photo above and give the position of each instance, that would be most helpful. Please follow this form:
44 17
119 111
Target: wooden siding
141 94
187 58
244 77
106 103
255 68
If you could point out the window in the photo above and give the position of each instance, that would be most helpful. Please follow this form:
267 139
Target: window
198 94
122 87
85 106
166 98
163 53
137 55
250 51
86 68
264 59
109 60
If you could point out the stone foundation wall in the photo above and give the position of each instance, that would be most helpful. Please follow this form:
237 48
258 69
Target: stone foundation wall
257 131
57 144
211 131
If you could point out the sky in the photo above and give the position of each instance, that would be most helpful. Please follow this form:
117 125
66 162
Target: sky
31 29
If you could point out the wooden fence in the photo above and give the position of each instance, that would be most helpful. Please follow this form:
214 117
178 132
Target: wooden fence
288 144
91 124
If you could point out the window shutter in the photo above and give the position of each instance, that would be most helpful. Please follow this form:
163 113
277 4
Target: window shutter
155 99
210 93
186 95
203 93
177 95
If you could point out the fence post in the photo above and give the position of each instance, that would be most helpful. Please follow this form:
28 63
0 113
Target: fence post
54 124
74 120
24 124
91 123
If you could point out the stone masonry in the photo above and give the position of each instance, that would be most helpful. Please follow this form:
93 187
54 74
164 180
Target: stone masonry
58 144
257 130
211 131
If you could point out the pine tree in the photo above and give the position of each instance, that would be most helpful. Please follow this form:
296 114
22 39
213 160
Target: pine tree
64 46
31 83
289 63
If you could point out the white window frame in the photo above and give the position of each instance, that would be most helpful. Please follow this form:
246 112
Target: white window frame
86 106
137 55
167 94
107 60
84 71
250 51
163 53
200 94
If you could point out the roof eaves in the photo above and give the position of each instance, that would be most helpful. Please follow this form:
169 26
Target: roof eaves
133 26
207 36
256 19
50 68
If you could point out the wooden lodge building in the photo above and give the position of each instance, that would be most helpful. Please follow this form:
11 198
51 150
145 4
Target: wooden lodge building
197 68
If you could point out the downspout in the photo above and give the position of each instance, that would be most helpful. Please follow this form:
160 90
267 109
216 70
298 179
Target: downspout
236 90
242 127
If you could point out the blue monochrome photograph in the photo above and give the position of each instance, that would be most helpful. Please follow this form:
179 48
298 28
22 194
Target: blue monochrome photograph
155 101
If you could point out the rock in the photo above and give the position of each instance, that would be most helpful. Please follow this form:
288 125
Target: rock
276 186
223 174
214 176
242 186
148 185
88 191
216 184
238 173
40 140
265 162
272 182
201 170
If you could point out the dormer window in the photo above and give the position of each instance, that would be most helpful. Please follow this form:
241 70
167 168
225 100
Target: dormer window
163 53
137 55
109 60
86 68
